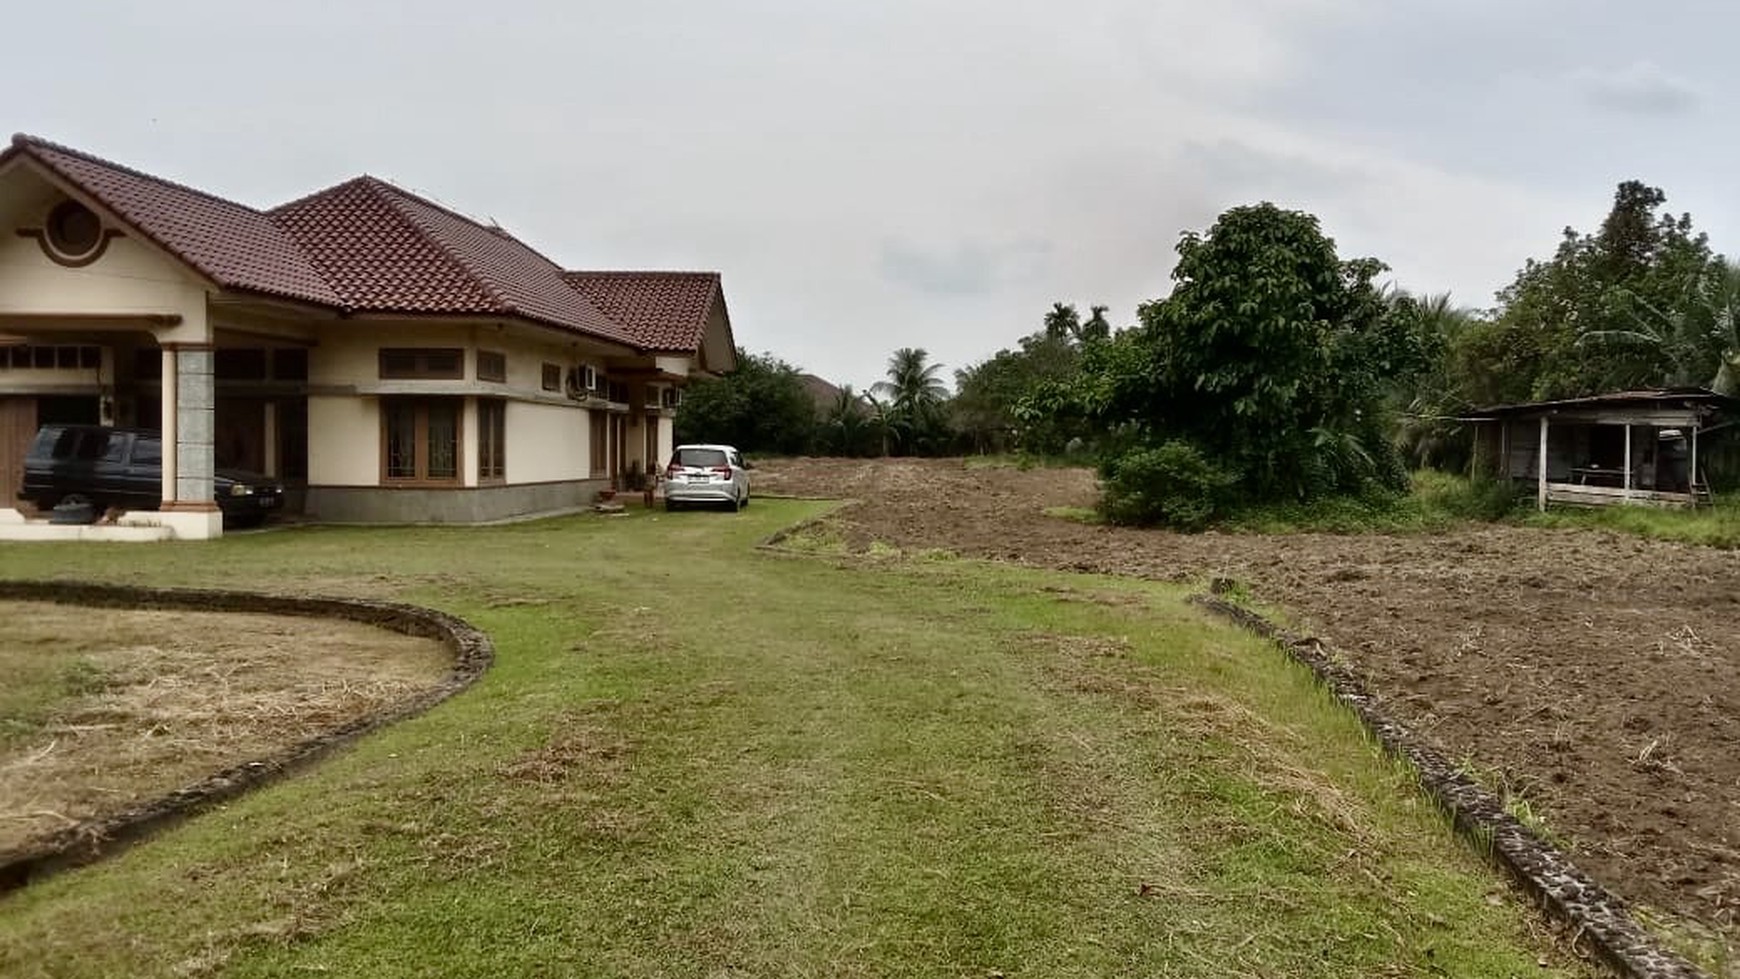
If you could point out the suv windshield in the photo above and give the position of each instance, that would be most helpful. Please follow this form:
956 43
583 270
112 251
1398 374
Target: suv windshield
699 458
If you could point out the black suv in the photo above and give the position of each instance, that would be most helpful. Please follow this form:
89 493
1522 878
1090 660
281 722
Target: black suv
123 467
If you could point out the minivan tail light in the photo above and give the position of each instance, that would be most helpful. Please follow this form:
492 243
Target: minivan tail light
724 471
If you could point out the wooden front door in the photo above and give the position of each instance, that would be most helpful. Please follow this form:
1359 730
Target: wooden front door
17 429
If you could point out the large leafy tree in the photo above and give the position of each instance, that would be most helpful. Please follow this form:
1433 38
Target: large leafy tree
1268 369
762 406
1613 309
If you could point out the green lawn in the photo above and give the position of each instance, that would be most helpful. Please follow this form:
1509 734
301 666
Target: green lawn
696 759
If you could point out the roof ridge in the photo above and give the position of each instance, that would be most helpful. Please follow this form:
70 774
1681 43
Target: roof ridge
492 227
376 186
708 272
27 142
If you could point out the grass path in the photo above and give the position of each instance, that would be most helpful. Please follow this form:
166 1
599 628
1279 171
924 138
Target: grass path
694 759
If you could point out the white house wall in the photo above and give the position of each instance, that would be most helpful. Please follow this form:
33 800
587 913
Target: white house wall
546 443
344 441
132 277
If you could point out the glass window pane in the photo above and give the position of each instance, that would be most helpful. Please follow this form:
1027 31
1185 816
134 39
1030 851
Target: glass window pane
401 440
443 440
444 363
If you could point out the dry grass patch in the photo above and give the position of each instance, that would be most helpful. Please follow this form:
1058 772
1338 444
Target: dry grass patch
112 707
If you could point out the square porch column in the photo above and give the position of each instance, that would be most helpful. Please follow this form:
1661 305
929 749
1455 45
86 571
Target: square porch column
189 423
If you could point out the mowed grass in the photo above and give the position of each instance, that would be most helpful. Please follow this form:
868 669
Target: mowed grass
697 759
1711 526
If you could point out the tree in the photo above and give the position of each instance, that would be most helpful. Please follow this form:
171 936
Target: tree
1426 432
847 427
1696 340
989 395
1552 335
1096 328
1063 322
1264 374
915 395
762 406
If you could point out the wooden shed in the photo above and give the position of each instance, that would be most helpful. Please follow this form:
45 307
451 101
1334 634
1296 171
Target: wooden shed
1636 447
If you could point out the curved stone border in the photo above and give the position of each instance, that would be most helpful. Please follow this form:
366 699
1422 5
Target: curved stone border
95 838
1544 871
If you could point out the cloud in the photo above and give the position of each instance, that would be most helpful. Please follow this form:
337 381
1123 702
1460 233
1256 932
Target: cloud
970 268
1641 88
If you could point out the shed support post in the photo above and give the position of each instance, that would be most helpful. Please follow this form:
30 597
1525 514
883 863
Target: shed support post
1541 490
1692 470
1627 469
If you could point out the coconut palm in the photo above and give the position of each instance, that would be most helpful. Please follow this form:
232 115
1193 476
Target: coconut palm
846 425
915 392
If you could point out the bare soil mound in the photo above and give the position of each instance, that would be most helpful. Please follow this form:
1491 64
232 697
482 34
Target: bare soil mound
1595 675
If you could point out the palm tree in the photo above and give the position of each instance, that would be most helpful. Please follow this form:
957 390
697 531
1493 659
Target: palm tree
915 391
845 422
1698 338
882 419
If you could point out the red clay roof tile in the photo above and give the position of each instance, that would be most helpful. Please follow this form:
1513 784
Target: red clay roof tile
231 244
386 249
665 311
366 245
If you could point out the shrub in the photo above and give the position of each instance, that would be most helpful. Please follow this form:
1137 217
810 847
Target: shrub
1173 484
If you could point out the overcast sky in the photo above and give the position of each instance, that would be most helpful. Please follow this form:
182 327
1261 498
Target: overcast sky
901 173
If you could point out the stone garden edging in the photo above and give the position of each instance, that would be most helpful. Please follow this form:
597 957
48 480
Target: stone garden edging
1544 871
95 838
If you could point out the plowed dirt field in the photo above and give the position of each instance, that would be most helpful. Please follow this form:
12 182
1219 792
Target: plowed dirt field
1597 676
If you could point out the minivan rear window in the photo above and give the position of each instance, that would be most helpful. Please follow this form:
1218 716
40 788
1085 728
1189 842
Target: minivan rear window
699 458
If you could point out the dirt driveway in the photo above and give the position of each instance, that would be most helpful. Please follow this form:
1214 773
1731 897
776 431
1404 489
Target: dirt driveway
1596 675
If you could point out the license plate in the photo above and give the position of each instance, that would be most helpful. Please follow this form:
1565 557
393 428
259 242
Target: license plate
268 502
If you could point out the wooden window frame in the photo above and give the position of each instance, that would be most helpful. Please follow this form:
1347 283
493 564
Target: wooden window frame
420 441
491 440
492 366
552 377
420 369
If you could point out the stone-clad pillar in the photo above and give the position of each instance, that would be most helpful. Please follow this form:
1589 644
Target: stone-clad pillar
195 435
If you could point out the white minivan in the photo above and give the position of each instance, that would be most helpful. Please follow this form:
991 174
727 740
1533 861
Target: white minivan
706 474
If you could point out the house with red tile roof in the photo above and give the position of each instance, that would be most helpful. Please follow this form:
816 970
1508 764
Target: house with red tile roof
387 358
